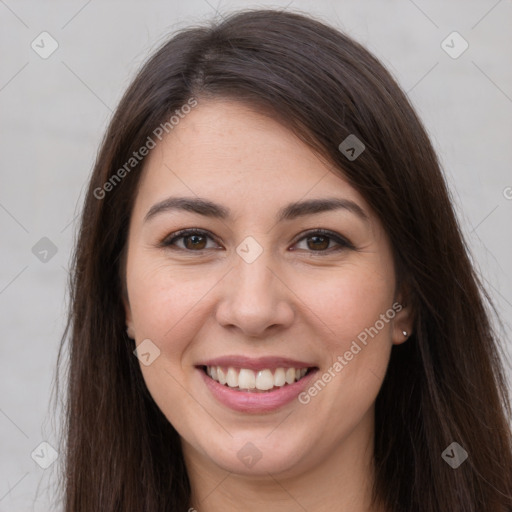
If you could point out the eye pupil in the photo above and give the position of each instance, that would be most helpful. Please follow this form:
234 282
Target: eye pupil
324 243
194 243
197 241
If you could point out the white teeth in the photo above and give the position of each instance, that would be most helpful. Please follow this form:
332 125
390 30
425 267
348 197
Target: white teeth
290 375
279 377
232 378
221 376
262 380
246 379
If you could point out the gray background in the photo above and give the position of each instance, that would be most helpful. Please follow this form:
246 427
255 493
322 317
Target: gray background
54 112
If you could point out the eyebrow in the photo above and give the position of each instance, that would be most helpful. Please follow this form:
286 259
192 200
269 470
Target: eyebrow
289 212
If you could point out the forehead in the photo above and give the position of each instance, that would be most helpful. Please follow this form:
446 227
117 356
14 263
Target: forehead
230 152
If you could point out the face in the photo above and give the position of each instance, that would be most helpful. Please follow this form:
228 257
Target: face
267 325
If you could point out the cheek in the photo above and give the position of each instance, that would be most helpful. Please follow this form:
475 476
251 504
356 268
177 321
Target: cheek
166 302
167 308
172 303
356 344
348 301
161 307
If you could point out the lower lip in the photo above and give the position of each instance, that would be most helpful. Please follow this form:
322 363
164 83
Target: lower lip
248 402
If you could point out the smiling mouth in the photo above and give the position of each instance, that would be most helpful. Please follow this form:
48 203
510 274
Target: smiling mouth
260 381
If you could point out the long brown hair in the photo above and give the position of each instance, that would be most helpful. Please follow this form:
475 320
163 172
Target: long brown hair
445 384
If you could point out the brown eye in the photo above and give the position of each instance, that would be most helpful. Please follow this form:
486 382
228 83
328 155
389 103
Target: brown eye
317 243
193 240
320 240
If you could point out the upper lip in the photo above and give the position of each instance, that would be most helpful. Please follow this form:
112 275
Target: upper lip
259 363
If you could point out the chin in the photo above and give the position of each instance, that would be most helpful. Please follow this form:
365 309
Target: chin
259 455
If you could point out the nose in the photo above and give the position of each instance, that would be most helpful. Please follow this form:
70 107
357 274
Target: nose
255 299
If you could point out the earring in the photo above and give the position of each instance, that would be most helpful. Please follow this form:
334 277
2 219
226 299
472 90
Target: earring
405 333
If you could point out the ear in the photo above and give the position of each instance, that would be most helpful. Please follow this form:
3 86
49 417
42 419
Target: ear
403 323
128 317
124 295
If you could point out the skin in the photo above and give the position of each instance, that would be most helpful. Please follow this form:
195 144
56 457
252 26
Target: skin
293 301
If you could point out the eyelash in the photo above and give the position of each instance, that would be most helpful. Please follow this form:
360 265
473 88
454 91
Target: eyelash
343 243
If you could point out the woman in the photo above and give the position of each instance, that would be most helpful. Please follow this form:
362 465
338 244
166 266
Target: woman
272 303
